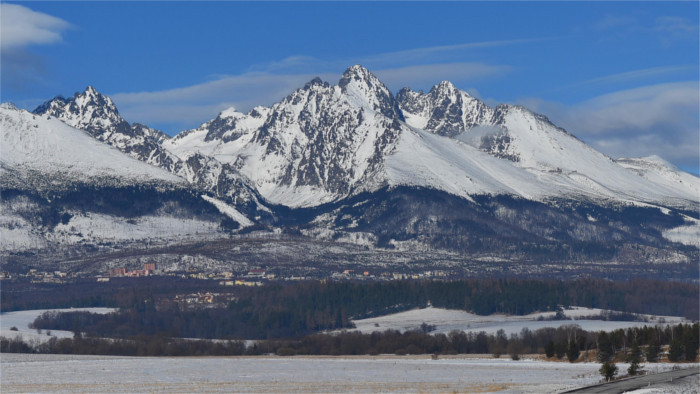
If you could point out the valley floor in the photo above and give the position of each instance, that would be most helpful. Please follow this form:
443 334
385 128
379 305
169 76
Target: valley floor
60 373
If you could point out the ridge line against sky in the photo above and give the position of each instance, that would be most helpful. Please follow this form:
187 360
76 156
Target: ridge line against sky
623 77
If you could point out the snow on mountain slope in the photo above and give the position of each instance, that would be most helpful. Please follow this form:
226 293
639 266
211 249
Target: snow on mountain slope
63 187
531 142
96 114
425 159
542 147
661 172
319 144
323 143
230 127
229 211
35 144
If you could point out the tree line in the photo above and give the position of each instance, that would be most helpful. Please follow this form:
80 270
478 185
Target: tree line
569 343
295 310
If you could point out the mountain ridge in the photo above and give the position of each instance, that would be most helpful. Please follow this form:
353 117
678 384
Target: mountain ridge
349 164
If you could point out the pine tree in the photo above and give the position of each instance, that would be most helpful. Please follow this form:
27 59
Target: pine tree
690 342
608 370
549 349
560 349
653 349
634 358
573 352
605 347
675 350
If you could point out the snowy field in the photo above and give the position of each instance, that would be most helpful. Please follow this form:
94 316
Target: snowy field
59 373
688 385
21 320
446 320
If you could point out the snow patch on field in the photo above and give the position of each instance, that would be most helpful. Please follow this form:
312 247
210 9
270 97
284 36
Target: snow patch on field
22 319
447 320
687 385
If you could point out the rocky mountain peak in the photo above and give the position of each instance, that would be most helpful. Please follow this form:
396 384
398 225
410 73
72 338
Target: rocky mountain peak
7 105
445 110
97 114
88 110
357 73
365 90
316 82
444 87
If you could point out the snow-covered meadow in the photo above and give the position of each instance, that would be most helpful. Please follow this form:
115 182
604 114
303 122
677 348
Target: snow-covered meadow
59 373
474 373
446 320
21 320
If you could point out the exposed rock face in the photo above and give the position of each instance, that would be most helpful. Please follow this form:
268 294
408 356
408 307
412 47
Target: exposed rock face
319 144
96 114
445 110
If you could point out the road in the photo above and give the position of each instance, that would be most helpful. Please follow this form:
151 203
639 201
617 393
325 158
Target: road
637 382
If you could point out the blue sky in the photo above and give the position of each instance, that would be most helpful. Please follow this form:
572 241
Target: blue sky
622 76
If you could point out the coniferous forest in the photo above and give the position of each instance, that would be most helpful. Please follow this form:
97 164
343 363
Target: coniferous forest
295 318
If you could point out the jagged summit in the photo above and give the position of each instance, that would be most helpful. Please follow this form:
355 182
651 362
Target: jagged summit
445 87
88 110
444 110
316 82
323 143
364 89
97 114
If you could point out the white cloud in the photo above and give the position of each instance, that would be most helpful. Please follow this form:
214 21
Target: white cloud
636 75
615 21
675 25
430 53
20 27
660 119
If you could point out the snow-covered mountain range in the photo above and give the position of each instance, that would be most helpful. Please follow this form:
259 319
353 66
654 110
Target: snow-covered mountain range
327 161
324 143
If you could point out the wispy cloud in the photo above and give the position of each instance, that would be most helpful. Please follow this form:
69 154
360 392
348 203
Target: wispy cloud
420 54
22 26
439 54
635 75
611 21
665 29
675 25
657 119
